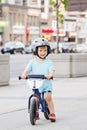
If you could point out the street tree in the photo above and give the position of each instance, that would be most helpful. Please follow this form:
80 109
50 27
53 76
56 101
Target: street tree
56 7
59 14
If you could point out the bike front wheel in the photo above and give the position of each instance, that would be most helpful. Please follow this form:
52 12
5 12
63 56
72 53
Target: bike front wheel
33 109
46 112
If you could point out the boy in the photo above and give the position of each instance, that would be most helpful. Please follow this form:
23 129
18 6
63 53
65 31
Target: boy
42 65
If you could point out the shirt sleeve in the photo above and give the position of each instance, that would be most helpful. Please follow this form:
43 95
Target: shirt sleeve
51 66
29 66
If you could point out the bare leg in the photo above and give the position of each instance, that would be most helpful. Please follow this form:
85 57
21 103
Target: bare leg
48 98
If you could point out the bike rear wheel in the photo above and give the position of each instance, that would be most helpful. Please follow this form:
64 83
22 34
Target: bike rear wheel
33 109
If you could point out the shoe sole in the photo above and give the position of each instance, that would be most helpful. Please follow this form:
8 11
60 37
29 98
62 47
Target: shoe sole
52 120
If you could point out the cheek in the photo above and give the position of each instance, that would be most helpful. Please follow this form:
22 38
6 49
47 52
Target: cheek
45 52
39 52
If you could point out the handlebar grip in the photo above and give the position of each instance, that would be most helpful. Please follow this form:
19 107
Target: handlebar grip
51 78
26 77
19 77
46 78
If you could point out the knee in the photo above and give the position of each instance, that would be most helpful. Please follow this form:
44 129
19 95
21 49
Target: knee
48 97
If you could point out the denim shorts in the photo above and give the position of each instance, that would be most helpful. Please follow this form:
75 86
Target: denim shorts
46 86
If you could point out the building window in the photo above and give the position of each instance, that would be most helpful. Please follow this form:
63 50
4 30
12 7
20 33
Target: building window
42 9
22 19
0 12
33 2
6 1
10 19
14 17
25 2
30 20
42 2
18 2
50 10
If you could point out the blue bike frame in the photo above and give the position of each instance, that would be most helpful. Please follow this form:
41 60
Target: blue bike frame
41 100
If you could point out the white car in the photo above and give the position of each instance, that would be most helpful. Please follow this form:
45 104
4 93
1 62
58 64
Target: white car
28 49
66 47
81 48
53 46
12 47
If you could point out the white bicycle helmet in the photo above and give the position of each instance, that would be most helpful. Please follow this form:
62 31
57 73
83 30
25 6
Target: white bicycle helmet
40 42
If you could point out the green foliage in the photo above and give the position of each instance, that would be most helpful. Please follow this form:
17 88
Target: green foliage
61 18
59 14
65 3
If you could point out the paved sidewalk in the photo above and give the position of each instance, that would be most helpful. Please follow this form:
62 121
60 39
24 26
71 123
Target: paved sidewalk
15 96
70 100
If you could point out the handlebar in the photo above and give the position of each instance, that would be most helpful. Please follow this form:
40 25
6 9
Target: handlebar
35 76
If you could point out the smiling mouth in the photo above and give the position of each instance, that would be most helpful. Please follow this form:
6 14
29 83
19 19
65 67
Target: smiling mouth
42 55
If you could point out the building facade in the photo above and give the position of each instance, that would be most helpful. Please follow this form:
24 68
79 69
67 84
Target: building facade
18 21
77 14
26 19
78 5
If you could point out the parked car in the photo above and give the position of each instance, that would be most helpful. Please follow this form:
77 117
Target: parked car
67 47
12 47
81 48
64 47
28 49
53 46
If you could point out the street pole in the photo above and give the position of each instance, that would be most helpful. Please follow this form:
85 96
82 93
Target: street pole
57 27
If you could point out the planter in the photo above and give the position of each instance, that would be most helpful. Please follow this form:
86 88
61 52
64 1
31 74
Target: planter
4 69
69 65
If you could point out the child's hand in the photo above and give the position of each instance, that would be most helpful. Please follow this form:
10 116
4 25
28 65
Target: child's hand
23 77
49 77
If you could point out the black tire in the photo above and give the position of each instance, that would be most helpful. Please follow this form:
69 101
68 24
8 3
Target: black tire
14 52
33 108
22 52
29 103
47 112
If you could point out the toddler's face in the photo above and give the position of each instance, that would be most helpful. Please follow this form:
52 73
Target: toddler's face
42 51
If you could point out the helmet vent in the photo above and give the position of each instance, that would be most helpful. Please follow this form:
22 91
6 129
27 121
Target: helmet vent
36 41
42 39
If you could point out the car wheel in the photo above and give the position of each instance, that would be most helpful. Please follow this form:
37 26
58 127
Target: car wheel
2 52
14 52
22 52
